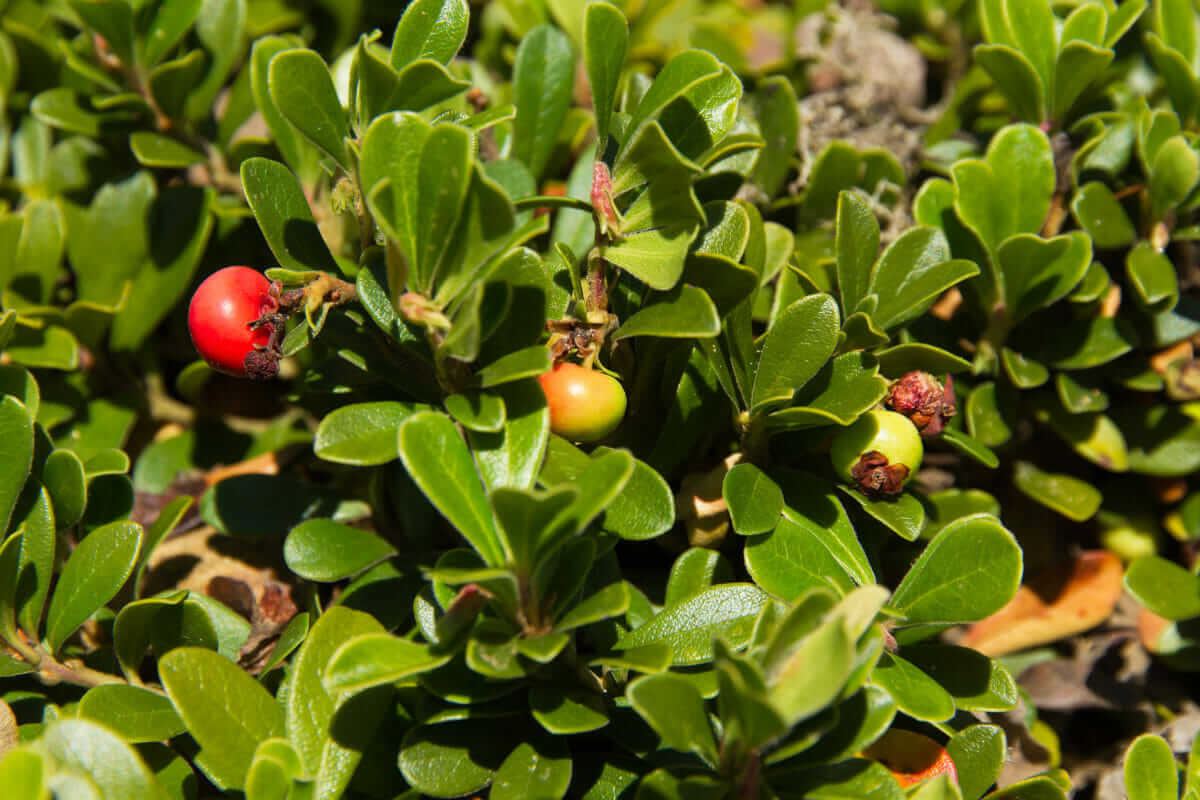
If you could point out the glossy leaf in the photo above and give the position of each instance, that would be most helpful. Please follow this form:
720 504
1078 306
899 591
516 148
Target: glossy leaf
227 712
377 658
727 610
675 710
283 214
605 39
303 91
755 501
683 313
323 550
1066 494
92 576
362 434
797 346
432 29
1164 587
857 233
543 75
1150 771
309 707
967 571
439 462
16 427
138 715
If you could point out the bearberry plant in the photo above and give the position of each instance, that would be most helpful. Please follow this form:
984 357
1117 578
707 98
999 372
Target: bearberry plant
599 398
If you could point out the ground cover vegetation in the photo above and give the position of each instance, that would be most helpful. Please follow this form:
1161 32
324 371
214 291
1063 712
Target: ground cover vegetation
621 398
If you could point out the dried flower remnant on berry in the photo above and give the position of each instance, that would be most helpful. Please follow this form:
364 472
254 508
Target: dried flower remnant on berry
924 400
875 477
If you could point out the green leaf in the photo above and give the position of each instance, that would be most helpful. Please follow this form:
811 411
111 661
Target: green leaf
611 601
374 659
857 233
797 346
1150 770
296 150
170 23
1152 277
727 610
227 712
1173 174
656 256
968 571
1016 78
852 778
696 569
794 558
755 501
416 179
543 77
970 447
912 272
439 462
985 421
1164 587
23 773
526 363
172 82
137 715
902 514
605 39
806 674
540 768
1101 216
16 430
1025 373
302 89
844 389
326 551
432 29
83 748
35 565
675 710
309 707
1009 191
156 150
452 759
362 434
564 712
417 86
779 119
478 411
94 573
1177 76
1039 272
685 312
1073 498
976 682
1078 65
112 19
277 200
219 27
978 753
915 693
513 456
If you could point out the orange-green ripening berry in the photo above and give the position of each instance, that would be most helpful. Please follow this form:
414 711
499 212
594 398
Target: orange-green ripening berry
585 405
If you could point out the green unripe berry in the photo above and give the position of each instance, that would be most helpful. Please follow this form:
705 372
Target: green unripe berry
879 453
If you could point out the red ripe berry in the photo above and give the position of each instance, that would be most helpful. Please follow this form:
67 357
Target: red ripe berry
220 317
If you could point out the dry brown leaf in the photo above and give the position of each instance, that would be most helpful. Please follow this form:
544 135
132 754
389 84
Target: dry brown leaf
1058 602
